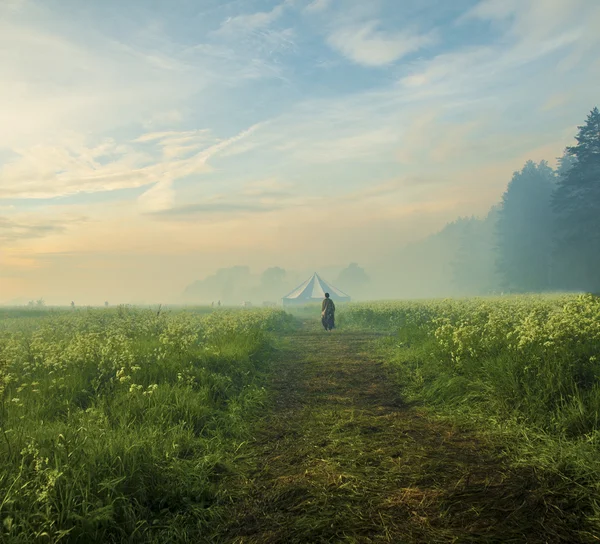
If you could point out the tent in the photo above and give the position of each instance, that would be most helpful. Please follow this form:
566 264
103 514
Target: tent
313 290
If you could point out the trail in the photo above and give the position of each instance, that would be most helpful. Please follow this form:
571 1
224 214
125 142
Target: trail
340 458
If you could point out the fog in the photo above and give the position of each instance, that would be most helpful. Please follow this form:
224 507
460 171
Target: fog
199 152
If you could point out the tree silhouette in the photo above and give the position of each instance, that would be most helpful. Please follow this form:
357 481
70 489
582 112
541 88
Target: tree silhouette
576 202
524 229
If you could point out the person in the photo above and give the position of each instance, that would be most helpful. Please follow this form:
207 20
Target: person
328 313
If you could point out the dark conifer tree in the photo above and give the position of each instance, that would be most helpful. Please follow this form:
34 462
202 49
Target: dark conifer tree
524 230
576 202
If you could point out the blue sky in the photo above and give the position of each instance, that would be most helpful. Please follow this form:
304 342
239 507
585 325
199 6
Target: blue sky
199 134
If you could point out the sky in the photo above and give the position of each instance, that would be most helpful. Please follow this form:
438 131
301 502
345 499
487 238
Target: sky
146 144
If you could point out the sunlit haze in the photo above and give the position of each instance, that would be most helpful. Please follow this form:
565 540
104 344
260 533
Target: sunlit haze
145 145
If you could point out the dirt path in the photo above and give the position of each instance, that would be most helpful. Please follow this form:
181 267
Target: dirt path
340 458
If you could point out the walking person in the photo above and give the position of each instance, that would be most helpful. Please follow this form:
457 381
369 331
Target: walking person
328 313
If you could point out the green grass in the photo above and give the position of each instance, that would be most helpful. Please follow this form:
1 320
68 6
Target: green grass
524 370
341 456
421 421
118 425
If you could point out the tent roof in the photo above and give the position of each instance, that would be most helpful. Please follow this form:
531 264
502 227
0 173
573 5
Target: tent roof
315 288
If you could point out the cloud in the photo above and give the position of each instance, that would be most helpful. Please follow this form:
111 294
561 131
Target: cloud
192 211
73 78
252 21
268 188
170 136
537 20
172 117
367 145
255 197
159 197
13 5
380 190
177 144
69 85
318 6
365 44
12 230
72 166
554 102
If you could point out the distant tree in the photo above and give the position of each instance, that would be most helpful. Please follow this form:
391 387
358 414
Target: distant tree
228 284
272 277
462 262
576 202
353 279
473 265
524 229
272 285
40 303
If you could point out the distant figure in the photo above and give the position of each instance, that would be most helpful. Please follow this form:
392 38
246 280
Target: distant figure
72 304
106 304
219 303
328 313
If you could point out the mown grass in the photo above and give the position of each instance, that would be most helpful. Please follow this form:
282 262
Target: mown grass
119 425
523 370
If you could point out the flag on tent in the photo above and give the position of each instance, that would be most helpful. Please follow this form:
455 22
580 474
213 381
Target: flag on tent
313 290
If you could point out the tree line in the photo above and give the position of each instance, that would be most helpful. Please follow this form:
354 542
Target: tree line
237 283
545 233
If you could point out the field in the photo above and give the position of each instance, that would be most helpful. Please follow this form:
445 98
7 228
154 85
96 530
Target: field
524 370
471 420
117 424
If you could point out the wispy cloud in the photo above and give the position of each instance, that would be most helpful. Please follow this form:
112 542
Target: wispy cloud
24 228
368 45
255 39
540 19
268 188
253 21
192 211
59 170
318 6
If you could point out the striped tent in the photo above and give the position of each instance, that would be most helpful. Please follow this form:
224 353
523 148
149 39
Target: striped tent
313 290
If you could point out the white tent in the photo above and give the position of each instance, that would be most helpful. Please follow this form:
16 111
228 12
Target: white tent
313 290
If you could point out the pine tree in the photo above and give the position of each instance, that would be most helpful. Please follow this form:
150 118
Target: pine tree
524 229
576 202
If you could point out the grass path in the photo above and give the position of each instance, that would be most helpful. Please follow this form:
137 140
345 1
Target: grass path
340 458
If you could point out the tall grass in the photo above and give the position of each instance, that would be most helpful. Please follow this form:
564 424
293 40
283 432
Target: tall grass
117 425
524 368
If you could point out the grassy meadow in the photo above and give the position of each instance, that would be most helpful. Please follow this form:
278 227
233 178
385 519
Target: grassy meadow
140 425
524 370
117 425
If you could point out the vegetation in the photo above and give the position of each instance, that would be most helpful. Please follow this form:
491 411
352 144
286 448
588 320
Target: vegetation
541 238
119 425
576 203
524 368
188 426
525 230
339 457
